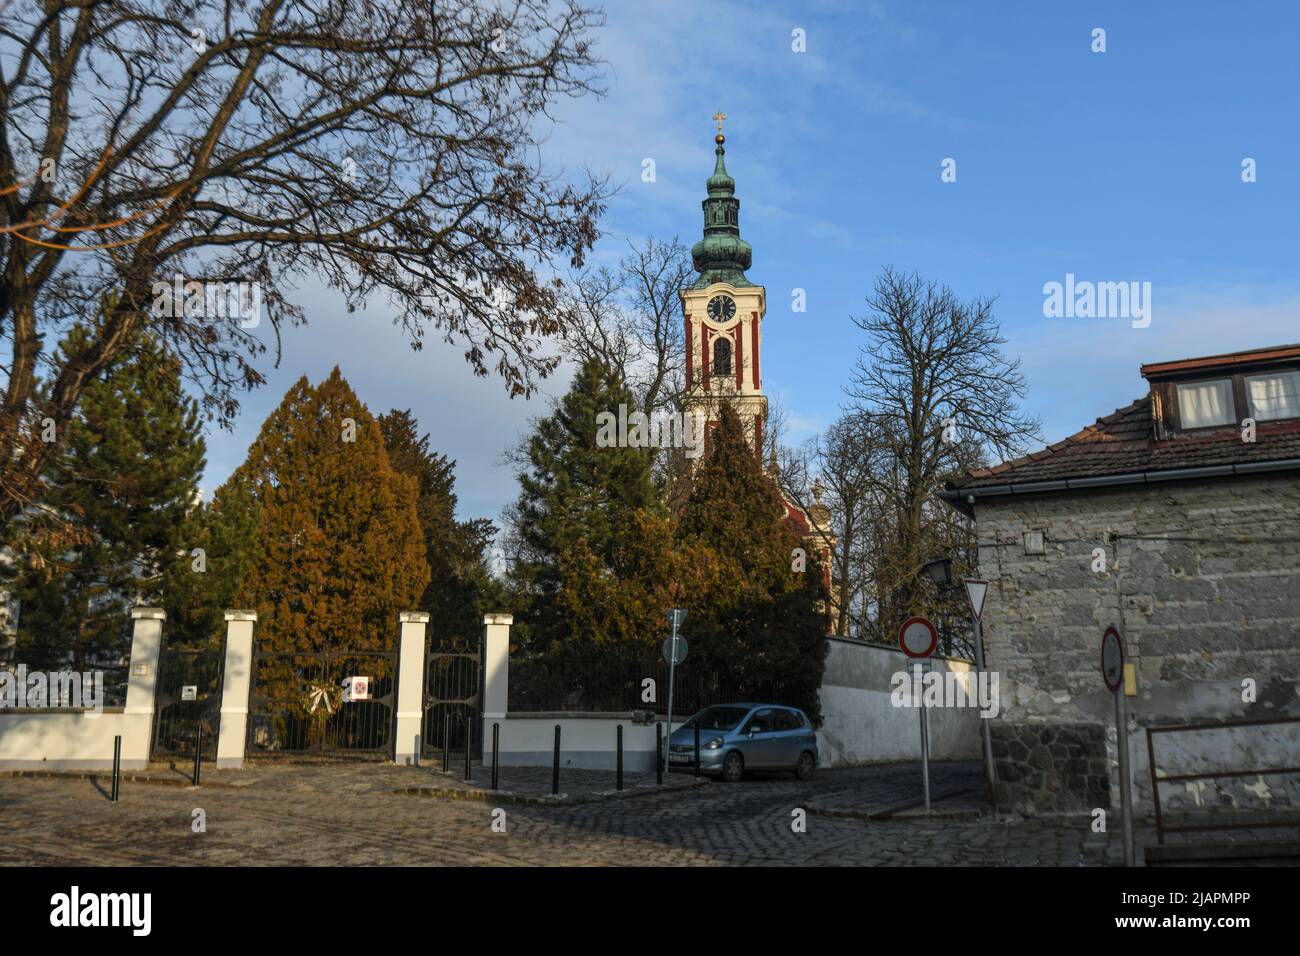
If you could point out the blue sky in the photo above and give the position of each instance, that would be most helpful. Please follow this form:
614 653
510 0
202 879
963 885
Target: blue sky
1115 166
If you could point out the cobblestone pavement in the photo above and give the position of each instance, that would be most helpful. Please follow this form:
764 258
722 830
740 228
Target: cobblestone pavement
350 814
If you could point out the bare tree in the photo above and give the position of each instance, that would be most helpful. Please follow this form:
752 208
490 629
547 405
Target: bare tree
384 147
936 396
631 319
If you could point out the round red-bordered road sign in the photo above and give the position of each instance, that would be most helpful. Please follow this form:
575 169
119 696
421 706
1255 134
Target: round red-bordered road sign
1112 659
918 637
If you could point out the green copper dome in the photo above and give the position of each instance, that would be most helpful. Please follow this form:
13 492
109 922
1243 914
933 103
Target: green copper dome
721 256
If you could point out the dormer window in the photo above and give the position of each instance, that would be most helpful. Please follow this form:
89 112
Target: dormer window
1204 404
1272 396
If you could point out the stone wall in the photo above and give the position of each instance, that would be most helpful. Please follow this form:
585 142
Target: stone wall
1203 581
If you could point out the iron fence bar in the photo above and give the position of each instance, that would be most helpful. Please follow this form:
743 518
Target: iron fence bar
1210 775
469 731
1179 728
1261 825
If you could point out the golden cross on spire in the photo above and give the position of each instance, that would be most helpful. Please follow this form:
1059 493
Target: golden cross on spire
719 116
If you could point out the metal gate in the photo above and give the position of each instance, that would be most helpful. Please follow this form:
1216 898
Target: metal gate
187 699
296 704
453 692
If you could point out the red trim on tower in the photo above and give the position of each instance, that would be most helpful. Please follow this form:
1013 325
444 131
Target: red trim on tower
754 334
704 355
690 352
740 355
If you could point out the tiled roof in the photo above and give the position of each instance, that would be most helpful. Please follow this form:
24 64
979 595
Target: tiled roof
1124 443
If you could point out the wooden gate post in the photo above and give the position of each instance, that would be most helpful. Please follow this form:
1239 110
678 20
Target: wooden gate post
235 688
409 705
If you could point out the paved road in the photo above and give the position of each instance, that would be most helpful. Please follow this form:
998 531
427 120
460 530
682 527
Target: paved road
349 815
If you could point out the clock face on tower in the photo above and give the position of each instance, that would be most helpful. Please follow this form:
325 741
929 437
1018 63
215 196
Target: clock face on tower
722 308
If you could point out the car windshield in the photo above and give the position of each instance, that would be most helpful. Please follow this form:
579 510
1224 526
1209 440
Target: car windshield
718 718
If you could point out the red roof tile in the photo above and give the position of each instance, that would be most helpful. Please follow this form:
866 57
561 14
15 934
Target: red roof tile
1124 443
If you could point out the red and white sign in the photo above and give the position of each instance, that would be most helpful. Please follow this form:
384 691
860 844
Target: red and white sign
356 688
1112 659
918 637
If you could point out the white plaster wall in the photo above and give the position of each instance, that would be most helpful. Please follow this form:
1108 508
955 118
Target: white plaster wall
860 724
587 742
72 740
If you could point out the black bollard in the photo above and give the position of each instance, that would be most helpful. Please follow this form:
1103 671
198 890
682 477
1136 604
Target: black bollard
659 754
198 753
446 742
697 750
469 734
117 766
496 740
618 778
555 765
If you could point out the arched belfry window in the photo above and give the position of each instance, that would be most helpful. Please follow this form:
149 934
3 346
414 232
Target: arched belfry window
722 356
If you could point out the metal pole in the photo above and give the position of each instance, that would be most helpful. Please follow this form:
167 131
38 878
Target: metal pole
659 754
986 733
672 665
555 765
618 778
117 765
925 747
496 741
446 742
198 753
469 738
1125 784
697 749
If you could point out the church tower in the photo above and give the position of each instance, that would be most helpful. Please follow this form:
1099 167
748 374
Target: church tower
723 313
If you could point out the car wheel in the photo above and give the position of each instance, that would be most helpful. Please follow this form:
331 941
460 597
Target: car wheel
733 768
805 767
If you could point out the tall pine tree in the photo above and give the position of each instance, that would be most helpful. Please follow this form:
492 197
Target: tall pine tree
575 495
121 486
218 540
460 585
764 621
339 550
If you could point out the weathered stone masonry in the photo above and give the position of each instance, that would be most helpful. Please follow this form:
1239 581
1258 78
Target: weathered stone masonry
1203 580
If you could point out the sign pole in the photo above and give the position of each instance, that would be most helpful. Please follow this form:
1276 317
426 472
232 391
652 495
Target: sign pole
986 733
672 653
976 591
917 638
925 743
1125 784
1112 673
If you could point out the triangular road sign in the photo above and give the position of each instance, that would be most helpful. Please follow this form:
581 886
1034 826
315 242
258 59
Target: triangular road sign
976 591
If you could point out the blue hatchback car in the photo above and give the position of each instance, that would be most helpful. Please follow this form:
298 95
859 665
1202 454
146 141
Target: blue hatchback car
738 738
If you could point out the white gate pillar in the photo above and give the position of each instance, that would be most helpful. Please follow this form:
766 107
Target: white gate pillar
235 688
409 705
496 674
496 664
142 682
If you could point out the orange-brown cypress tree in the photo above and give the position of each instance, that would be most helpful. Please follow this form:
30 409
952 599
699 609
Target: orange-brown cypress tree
340 550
